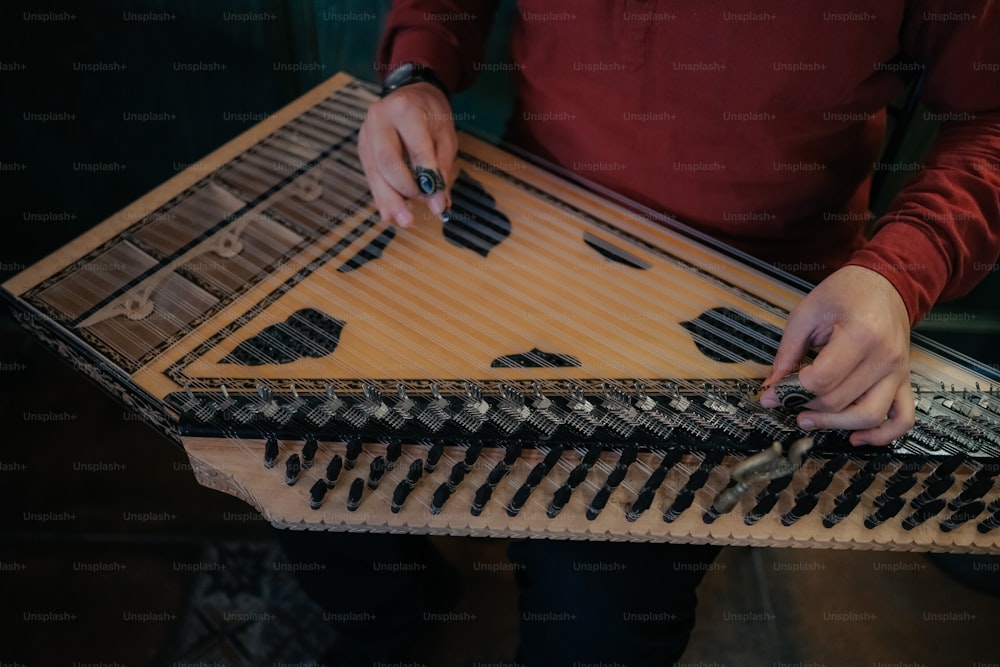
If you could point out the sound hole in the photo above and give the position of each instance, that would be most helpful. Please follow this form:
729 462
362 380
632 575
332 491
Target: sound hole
306 333
536 359
475 222
371 251
731 336
614 253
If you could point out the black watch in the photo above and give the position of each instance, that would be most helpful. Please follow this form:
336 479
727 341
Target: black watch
409 73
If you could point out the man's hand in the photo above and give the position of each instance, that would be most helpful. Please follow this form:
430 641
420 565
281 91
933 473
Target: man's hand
861 376
412 126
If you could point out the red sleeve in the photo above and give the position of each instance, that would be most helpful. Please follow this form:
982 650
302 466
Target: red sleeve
941 234
448 36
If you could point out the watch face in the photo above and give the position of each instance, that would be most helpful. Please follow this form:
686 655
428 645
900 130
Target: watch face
399 75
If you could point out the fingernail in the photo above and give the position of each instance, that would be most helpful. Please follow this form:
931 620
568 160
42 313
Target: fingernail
807 423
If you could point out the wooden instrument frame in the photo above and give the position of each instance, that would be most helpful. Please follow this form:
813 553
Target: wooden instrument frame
153 381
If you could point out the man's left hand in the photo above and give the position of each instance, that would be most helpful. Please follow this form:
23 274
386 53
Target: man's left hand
861 376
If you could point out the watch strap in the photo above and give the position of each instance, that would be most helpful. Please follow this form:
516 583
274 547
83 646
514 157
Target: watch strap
410 73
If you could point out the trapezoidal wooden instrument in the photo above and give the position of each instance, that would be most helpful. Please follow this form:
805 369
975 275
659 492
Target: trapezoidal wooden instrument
546 363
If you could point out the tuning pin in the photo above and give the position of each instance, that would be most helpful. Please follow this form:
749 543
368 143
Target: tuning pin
681 503
434 455
353 452
845 504
316 494
552 457
441 496
333 471
483 494
802 507
270 451
513 453
963 514
458 472
472 454
598 502
375 472
888 510
309 448
975 489
355 494
647 493
926 511
406 485
393 450
931 491
292 468
894 490
945 468
767 499
577 475
517 502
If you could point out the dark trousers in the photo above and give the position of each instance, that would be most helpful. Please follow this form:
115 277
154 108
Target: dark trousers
580 602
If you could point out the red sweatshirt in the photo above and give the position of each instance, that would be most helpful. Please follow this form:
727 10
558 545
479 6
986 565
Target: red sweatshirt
759 122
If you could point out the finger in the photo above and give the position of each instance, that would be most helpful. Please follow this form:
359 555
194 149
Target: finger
901 417
840 374
849 383
391 206
391 166
381 154
792 348
869 412
416 137
849 365
447 150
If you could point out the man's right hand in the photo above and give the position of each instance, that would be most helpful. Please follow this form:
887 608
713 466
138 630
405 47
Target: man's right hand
411 127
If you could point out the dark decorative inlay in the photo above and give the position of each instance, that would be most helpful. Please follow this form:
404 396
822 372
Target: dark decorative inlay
614 253
371 251
536 359
731 336
475 222
306 333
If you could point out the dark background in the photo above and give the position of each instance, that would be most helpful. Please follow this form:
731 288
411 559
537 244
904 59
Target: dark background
59 517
